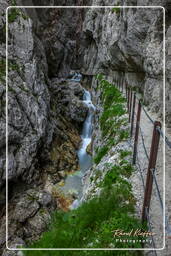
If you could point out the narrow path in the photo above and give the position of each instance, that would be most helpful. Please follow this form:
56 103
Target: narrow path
156 212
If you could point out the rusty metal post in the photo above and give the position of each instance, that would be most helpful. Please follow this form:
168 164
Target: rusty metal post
137 133
130 106
128 99
151 167
133 113
126 90
122 82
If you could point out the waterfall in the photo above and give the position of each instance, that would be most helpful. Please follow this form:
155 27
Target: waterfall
84 158
74 182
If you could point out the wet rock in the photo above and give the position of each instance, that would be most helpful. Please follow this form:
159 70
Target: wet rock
78 111
89 149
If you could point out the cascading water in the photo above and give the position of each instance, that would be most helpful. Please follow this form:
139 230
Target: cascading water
73 183
84 158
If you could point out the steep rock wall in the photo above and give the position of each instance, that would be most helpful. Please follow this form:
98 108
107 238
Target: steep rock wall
128 46
44 116
60 32
36 52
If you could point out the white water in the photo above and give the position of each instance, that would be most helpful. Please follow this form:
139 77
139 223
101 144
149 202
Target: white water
84 158
74 183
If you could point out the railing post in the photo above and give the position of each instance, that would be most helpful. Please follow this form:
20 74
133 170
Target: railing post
133 113
151 167
122 83
137 133
130 106
128 98
126 90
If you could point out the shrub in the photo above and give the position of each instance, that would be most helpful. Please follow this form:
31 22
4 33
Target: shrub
100 154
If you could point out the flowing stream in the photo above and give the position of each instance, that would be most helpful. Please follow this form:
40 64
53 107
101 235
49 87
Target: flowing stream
73 182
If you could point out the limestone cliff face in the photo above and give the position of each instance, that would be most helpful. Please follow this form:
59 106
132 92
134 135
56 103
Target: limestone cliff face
60 33
128 46
42 44
44 114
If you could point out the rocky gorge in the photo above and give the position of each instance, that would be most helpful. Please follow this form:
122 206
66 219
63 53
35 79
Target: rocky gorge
46 111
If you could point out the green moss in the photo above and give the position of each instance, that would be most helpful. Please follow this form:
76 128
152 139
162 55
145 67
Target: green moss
13 3
2 70
116 10
13 14
13 66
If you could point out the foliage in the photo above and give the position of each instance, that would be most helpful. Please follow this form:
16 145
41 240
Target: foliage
101 152
125 153
116 10
115 175
13 66
14 13
2 70
13 3
92 224
112 117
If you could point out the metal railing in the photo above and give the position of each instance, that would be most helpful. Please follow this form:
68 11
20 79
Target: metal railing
132 102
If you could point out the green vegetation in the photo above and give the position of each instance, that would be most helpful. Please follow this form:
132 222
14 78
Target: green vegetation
93 223
101 153
13 3
112 117
13 66
116 10
2 70
14 13
116 173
